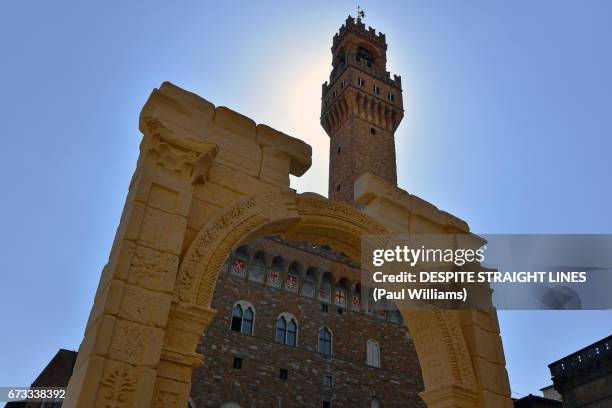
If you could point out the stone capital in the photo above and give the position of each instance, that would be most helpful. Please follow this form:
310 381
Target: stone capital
187 158
191 317
450 396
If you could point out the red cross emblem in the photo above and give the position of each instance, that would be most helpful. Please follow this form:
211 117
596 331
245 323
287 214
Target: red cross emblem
291 282
355 301
238 265
273 275
339 297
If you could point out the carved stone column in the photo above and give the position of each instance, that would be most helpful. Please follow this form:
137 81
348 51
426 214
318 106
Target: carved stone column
450 396
185 327
119 357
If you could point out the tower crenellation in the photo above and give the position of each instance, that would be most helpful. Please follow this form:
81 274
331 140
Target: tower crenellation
361 107
355 25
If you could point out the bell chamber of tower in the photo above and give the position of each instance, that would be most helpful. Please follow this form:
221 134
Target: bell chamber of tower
361 107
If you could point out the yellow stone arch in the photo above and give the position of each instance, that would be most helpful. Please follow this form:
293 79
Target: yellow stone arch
208 180
312 218
305 217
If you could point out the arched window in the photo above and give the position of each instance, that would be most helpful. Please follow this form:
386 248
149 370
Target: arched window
277 263
281 329
325 288
310 282
325 341
247 321
237 318
275 272
243 316
341 294
364 54
293 277
373 354
292 332
286 329
240 261
374 402
258 267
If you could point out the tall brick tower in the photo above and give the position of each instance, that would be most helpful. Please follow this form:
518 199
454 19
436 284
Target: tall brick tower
361 108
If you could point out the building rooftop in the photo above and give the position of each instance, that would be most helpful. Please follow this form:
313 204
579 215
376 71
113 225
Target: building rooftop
533 401
601 349
583 366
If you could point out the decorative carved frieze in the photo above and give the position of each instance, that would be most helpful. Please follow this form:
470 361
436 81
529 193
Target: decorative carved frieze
117 388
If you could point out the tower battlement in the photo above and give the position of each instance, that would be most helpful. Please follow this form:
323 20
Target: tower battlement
358 27
361 49
385 76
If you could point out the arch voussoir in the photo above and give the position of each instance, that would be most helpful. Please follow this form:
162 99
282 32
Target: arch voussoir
247 218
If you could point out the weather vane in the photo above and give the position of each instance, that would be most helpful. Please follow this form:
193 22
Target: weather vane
360 13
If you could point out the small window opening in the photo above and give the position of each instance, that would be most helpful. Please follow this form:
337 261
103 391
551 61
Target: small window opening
237 363
328 381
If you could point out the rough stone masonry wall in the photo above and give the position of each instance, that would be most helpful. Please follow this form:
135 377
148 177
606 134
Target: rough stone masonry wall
257 384
360 153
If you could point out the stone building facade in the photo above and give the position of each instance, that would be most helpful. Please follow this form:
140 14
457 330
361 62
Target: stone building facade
371 361
55 374
292 329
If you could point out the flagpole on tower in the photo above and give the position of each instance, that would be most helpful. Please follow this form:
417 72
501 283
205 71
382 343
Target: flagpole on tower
360 13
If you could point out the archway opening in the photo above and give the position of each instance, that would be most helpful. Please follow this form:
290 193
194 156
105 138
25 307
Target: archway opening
304 321
324 225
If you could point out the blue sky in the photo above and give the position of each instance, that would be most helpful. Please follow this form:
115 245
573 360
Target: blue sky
507 125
